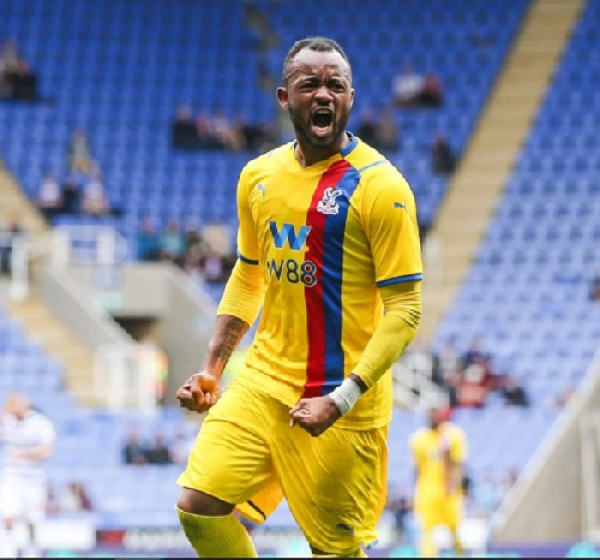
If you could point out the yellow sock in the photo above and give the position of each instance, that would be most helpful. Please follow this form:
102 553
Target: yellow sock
458 547
217 537
428 548
353 554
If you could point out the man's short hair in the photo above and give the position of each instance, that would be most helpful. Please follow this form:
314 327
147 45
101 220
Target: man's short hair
317 44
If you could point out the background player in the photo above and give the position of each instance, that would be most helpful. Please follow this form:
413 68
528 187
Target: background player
439 453
328 237
28 439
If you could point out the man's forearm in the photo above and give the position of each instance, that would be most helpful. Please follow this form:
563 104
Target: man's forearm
229 330
394 333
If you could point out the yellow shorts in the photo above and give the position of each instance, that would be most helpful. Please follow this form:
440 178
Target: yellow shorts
246 454
443 511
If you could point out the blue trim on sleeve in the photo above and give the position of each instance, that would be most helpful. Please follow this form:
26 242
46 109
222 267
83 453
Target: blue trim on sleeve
399 279
378 162
351 145
245 260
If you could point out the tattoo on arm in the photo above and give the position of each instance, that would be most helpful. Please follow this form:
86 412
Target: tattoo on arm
229 330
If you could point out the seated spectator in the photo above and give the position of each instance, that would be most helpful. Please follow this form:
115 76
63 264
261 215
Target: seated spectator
93 200
71 194
134 452
148 241
80 159
184 133
476 383
227 135
595 291
449 359
172 243
562 399
8 236
513 393
17 81
254 137
50 197
407 87
74 499
367 129
212 267
473 354
193 263
388 134
432 94
159 454
205 132
443 160
181 448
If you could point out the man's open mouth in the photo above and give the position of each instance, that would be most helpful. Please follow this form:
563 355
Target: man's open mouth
322 121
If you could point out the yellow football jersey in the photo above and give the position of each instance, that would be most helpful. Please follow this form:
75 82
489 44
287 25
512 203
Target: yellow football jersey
326 236
429 448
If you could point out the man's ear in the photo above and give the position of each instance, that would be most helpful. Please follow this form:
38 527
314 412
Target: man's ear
351 97
282 97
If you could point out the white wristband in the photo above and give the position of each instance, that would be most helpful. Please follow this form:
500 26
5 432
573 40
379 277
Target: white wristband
346 395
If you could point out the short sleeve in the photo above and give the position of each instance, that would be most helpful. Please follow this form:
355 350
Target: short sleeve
247 237
458 449
390 224
45 432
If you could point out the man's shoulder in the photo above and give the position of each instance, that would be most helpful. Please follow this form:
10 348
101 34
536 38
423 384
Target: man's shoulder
376 170
266 163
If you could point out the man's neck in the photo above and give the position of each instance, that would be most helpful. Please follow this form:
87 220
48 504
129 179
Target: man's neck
308 155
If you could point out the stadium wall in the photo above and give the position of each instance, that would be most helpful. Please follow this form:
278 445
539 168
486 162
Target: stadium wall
548 502
90 300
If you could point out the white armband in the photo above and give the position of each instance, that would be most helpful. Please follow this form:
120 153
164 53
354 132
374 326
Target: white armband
346 395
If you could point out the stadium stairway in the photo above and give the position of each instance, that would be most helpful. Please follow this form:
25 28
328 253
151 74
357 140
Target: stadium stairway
492 152
16 205
77 360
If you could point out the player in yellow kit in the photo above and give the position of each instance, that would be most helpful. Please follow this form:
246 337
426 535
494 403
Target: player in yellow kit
328 239
439 452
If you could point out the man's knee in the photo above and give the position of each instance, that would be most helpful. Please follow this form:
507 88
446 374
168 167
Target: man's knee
200 503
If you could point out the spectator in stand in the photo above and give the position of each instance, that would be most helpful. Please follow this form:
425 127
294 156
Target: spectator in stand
227 135
367 129
562 399
50 197
75 499
159 454
80 158
473 354
514 394
407 87
17 81
477 382
184 132
72 194
193 264
134 452
388 134
172 244
148 241
93 201
205 133
432 94
213 267
181 448
7 238
443 160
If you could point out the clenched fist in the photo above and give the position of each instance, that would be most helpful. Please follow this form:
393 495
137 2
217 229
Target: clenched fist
199 392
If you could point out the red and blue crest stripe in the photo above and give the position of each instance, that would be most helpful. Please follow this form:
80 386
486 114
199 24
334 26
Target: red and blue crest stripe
325 248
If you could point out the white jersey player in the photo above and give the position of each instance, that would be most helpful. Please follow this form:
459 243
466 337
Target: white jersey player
27 438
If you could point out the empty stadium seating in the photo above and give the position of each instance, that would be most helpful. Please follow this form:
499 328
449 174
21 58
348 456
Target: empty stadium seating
527 295
119 70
